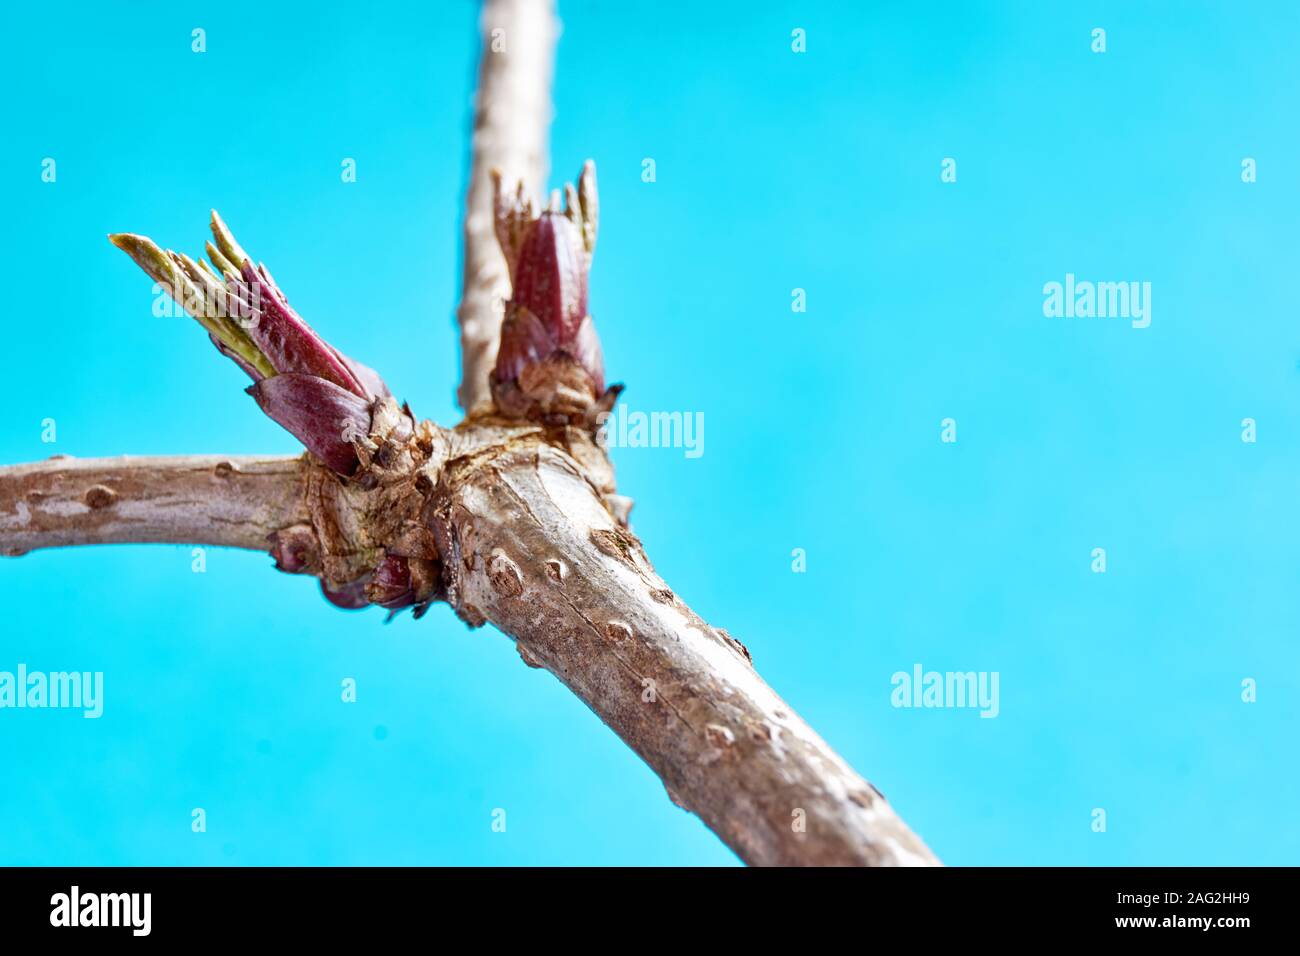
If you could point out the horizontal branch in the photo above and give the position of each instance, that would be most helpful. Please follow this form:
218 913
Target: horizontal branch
232 501
529 538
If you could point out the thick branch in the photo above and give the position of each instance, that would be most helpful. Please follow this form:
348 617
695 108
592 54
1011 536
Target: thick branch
528 544
511 115
235 501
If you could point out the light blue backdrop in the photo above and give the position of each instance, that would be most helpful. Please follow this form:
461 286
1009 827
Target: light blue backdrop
775 171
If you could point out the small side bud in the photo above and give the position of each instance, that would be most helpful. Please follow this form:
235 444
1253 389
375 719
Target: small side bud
390 585
400 582
295 549
350 597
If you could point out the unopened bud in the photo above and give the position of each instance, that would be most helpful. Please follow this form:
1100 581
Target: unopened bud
350 597
549 359
398 582
390 585
295 549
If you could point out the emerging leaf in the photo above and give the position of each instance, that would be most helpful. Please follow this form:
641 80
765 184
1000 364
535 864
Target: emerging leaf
301 381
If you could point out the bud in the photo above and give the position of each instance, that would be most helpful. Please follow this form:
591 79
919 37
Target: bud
350 597
390 585
320 414
549 361
295 549
301 381
283 337
551 276
399 582
372 385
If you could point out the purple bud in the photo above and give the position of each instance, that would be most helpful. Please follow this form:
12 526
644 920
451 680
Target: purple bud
585 349
547 338
551 276
524 342
350 597
397 582
290 343
324 417
295 549
371 382
390 585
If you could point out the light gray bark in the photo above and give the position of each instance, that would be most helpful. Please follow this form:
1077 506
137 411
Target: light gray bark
231 500
529 545
512 113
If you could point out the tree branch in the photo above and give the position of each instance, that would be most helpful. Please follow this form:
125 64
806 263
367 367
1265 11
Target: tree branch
529 544
511 116
232 501
512 517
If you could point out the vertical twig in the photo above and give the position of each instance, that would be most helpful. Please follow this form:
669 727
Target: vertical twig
512 112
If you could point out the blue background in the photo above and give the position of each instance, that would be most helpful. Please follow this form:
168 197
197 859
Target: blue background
774 171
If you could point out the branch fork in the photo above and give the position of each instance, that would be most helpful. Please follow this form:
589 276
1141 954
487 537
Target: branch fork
510 517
